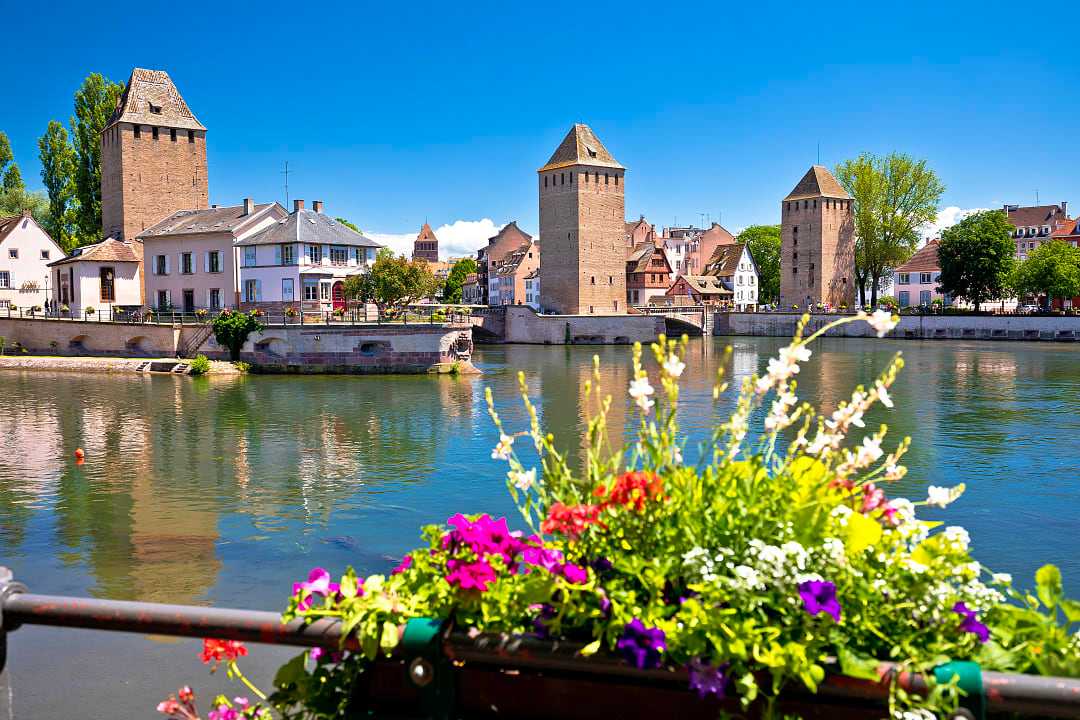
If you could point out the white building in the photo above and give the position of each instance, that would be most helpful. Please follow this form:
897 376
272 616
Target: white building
532 290
302 260
105 276
735 267
25 253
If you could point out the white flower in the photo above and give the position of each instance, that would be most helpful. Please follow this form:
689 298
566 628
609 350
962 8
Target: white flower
673 366
868 452
941 496
883 394
1002 578
894 472
640 390
748 577
522 480
778 417
793 354
502 450
957 536
882 321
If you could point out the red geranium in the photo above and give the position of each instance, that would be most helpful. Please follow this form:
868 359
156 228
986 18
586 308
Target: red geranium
632 489
216 651
570 520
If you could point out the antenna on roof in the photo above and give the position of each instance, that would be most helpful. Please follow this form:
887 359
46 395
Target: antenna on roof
285 172
819 152
1036 198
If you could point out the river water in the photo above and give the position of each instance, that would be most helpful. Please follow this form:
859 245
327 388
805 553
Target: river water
225 490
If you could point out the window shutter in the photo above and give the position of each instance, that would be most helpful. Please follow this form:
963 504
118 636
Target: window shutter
277 254
258 291
179 262
206 263
166 264
168 296
208 292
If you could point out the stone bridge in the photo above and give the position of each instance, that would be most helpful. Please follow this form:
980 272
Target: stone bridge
521 324
680 320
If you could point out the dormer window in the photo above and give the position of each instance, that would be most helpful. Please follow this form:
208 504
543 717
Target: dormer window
591 150
1033 231
1045 230
154 109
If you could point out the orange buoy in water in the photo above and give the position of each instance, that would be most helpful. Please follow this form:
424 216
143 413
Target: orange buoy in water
79 454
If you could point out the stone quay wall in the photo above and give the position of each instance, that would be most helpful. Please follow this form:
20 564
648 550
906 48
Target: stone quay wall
914 327
359 349
521 324
78 338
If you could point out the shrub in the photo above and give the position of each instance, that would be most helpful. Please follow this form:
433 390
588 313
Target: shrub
3 343
291 312
200 365
65 309
89 310
888 303
242 366
201 314
232 328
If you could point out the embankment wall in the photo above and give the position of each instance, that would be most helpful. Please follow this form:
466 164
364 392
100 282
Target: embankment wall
915 327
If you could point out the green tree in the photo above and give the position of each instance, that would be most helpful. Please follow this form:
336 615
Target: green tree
392 282
359 288
58 174
452 287
977 257
764 244
232 328
95 101
1052 269
348 224
15 202
893 197
13 179
10 176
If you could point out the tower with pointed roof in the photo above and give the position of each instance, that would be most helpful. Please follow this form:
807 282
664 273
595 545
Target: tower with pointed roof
153 157
817 243
426 245
582 228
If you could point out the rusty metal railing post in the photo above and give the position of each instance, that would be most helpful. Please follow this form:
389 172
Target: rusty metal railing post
8 586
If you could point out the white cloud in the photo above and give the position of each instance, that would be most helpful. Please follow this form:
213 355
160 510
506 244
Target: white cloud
947 217
457 239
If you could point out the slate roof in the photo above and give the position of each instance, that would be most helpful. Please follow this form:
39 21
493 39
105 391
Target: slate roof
510 263
725 260
308 226
581 147
705 285
188 222
925 260
108 250
818 182
151 98
1036 215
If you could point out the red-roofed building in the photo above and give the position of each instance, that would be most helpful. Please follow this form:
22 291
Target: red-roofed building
1035 225
916 281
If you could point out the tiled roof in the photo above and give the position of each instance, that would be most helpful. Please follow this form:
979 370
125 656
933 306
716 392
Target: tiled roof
925 260
581 147
1068 228
308 226
150 98
108 250
510 263
1036 215
725 260
220 219
707 284
426 234
818 182
8 225
640 257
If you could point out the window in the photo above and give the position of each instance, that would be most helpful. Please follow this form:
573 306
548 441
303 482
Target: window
172 134
339 255
138 132
586 178
108 291
191 136
44 254
794 271
545 181
593 279
311 289
905 298
13 253
924 297
213 261
163 299
5 279
251 290
606 178
288 255
616 179
161 265
154 109
924 278
287 290
189 301
610 280
249 256
185 264
155 132
314 254
214 299
903 278
324 291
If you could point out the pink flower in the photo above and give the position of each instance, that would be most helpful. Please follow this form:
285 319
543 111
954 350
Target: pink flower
470 575
575 574
548 559
318 582
223 712
169 707
873 498
405 564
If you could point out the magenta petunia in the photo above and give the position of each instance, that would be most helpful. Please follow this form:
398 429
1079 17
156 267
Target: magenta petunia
819 596
575 574
405 564
470 575
970 623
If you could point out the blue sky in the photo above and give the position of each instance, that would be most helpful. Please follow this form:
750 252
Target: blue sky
393 113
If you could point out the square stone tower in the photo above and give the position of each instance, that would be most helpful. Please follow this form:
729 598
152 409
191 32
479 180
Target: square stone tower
817 243
153 157
426 245
582 228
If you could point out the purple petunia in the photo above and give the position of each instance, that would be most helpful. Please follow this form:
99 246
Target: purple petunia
642 646
707 679
970 623
819 596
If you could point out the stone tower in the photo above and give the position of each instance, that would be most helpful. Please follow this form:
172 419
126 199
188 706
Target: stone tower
426 245
582 228
817 243
153 157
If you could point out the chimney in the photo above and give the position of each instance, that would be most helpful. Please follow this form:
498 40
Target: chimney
249 206
1065 208
297 205
317 206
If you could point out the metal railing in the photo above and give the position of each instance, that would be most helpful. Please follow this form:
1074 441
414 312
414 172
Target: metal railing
1027 695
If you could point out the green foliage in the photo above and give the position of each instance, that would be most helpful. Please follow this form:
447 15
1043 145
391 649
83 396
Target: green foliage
57 158
977 257
393 282
348 224
15 202
1052 269
242 366
893 197
889 303
764 244
10 176
95 101
451 292
232 328
200 365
